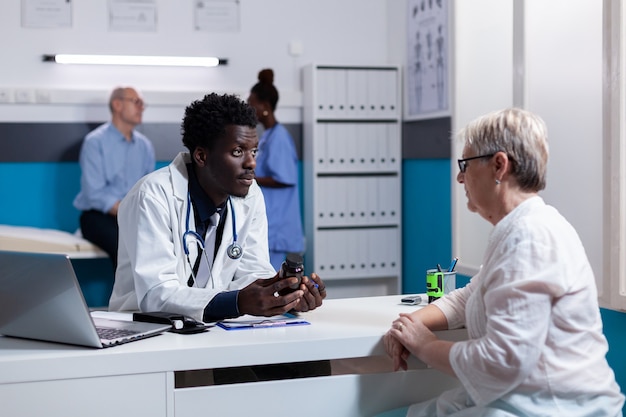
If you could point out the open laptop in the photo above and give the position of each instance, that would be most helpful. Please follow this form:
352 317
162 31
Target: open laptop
40 298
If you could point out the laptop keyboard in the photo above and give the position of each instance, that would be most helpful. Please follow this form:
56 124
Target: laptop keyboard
108 333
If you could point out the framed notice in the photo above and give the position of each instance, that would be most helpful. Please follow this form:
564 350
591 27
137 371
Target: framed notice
46 13
132 16
216 15
427 77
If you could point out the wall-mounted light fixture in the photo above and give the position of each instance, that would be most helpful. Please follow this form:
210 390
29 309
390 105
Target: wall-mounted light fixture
177 61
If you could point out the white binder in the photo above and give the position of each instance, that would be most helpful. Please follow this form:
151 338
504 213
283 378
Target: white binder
393 147
320 147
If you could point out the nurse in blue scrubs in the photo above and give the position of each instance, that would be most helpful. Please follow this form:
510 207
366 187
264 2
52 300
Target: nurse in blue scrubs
277 173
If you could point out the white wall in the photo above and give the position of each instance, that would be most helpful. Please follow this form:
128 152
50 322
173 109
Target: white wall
483 82
561 80
564 72
350 32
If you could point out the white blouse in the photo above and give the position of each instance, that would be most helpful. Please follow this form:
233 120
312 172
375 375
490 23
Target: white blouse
536 344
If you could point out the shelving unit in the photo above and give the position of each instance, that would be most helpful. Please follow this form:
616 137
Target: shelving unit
352 178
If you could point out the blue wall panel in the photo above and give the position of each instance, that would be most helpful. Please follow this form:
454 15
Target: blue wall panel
426 220
39 194
614 324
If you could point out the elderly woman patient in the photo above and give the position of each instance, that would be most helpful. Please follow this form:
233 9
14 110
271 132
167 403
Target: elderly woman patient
535 344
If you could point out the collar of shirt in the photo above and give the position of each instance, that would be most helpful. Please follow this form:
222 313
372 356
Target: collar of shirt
117 132
204 207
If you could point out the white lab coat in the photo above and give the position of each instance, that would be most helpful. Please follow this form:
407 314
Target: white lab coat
152 270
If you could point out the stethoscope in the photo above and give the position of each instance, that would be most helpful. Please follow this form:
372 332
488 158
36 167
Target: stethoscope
234 250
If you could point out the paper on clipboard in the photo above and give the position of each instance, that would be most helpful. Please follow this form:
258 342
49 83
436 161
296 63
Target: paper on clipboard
254 322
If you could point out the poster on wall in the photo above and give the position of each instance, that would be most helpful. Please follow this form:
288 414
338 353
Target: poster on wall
46 13
132 16
427 72
216 15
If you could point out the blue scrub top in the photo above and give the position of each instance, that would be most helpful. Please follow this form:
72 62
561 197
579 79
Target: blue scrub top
277 158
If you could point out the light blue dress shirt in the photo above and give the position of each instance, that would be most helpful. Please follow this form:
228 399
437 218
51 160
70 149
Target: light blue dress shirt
110 166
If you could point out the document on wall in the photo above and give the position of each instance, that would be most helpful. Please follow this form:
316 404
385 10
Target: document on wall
46 13
132 15
216 15
427 76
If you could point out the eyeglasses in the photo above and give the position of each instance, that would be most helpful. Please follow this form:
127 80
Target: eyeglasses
463 162
136 101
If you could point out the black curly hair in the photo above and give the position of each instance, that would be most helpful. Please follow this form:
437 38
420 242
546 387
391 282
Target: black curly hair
264 89
205 120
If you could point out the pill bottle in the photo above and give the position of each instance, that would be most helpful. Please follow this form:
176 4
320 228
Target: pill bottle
293 266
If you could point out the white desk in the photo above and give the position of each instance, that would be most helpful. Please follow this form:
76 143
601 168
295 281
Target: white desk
38 378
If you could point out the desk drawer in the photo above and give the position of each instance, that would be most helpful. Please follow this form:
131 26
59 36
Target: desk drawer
130 395
359 395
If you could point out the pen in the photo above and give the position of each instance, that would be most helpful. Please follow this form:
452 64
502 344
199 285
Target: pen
438 268
452 265
270 324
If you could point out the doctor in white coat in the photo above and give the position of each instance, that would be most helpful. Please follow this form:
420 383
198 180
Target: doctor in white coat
169 217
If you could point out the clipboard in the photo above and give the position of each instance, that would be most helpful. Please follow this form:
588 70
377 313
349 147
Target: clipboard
252 322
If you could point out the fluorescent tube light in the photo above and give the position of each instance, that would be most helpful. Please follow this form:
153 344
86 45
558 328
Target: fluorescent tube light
181 61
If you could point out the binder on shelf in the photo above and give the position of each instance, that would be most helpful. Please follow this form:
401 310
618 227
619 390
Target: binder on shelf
342 146
354 86
320 147
329 237
353 257
322 204
389 93
332 147
351 190
392 252
373 217
340 92
369 147
393 146
352 144
323 92
360 148
373 94
362 192
321 250
362 93
363 246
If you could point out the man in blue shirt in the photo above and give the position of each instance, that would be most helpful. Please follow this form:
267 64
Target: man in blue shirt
112 158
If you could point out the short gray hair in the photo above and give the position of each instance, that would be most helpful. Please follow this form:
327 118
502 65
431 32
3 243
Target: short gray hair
117 94
522 135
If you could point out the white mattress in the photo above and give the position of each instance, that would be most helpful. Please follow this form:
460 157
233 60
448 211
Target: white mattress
34 239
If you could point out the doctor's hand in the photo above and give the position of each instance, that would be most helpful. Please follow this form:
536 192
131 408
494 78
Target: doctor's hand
263 297
314 292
